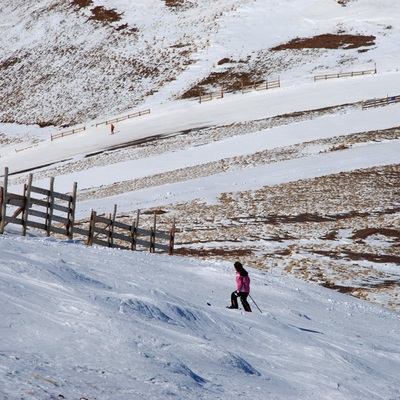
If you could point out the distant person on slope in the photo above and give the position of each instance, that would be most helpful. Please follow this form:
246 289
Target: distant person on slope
112 129
242 286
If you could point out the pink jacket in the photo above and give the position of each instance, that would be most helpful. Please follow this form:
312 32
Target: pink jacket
242 283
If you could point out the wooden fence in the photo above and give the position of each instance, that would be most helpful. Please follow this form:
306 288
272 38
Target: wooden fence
211 96
262 86
107 231
124 117
26 148
384 101
110 121
344 74
245 89
53 212
44 205
67 133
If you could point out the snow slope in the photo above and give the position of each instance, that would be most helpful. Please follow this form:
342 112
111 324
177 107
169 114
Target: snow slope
108 324
183 116
62 66
216 160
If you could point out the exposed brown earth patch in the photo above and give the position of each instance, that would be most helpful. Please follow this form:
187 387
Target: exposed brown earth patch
104 15
364 233
328 41
353 256
229 80
387 284
205 253
274 219
99 13
174 3
82 3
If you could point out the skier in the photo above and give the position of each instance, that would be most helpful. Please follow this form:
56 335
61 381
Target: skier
243 288
112 129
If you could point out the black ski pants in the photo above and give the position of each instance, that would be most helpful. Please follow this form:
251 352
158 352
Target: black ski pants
243 298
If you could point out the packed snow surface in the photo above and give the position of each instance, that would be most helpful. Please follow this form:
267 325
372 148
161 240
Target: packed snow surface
107 324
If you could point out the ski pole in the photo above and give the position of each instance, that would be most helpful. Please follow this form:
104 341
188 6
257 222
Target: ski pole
255 303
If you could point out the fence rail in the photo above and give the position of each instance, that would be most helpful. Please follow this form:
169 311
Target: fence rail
384 101
25 148
245 89
211 96
110 121
107 231
262 86
46 208
344 74
124 117
67 133
54 212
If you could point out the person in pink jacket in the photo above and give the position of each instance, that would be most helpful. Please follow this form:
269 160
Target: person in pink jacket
242 288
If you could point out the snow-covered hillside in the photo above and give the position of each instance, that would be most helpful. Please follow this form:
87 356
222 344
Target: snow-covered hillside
312 193
297 180
68 62
304 158
309 142
108 324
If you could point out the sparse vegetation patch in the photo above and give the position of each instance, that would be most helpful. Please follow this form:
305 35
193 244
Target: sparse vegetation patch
82 3
328 41
343 2
364 233
9 62
229 80
104 15
174 3
178 5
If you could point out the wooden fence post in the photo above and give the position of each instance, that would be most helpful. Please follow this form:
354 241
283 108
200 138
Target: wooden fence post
50 207
137 218
172 239
71 212
133 236
111 228
24 217
27 204
4 201
153 235
92 225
